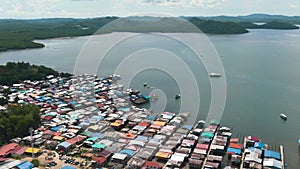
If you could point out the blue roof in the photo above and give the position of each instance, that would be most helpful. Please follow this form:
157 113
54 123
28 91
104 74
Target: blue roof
98 118
98 135
55 128
272 154
92 139
67 167
188 127
259 145
142 138
234 150
128 152
151 117
64 144
126 109
25 165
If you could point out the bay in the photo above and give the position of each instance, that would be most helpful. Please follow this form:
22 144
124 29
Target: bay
262 69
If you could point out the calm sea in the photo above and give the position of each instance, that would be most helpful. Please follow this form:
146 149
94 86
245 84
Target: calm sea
262 72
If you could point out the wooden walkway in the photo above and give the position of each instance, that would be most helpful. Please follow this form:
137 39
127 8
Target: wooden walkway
243 153
282 156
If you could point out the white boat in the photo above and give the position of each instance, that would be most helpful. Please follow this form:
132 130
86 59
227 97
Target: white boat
215 75
283 116
177 96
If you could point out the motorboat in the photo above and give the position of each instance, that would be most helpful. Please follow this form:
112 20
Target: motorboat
283 116
215 75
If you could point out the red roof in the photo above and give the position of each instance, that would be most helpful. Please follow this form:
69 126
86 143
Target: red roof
236 145
19 150
104 153
47 118
56 134
99 160
76 139
256 139
6 149
202 146
143 124
3 159
234 140
152 164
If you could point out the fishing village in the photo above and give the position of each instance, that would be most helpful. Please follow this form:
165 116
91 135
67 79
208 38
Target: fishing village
92 122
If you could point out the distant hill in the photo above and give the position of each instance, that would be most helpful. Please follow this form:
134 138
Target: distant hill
218 27
19 34
258 18
269 25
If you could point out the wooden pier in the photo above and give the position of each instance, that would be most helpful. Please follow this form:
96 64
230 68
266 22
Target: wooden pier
243 154
282 156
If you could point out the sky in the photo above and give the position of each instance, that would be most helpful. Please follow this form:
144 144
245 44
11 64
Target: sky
99 8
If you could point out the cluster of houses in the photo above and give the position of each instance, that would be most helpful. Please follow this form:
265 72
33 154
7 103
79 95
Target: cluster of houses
94 118
257 155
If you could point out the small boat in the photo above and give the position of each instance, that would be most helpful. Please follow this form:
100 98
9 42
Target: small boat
145 84
215 75
283 116
177 96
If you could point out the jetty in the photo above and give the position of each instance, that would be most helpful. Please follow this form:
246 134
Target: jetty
282 156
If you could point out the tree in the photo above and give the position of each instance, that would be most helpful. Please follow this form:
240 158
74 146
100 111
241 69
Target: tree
16 121
35 162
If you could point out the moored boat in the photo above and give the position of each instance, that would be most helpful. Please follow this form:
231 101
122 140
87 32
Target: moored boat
215 75
283 116
177 96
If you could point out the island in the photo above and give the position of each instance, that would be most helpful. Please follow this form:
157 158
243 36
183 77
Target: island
269 25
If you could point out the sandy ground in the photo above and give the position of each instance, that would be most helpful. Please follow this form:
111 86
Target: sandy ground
44 161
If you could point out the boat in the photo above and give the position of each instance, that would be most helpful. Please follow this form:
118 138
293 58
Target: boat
283 116
177 96
145 84
215 75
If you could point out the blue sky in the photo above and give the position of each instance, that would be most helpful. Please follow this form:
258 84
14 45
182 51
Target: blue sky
96 8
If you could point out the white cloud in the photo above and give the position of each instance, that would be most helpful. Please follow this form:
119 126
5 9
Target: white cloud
167 3
206 3
293 6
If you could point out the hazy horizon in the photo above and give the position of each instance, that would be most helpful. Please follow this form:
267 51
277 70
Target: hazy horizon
35 9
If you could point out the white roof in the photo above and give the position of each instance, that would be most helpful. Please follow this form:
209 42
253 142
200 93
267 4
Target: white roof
214 147
272 163
253 158
177 157
119 156
11 164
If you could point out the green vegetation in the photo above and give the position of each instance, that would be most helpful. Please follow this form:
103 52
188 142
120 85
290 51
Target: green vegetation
16 121
35 162
257 18
278 25
15 72
269 25
3 101
19 34
218 27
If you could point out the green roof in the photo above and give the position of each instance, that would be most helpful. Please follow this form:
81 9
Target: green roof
99 146
207 134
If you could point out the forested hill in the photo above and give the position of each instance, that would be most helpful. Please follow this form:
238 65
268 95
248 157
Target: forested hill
15 72
19 34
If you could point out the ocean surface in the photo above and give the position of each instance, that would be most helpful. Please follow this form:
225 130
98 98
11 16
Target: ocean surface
262 74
